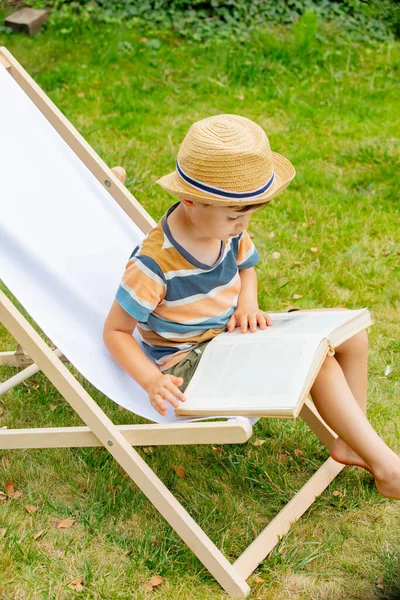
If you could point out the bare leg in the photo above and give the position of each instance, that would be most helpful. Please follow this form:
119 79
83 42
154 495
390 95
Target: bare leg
338 407
352 356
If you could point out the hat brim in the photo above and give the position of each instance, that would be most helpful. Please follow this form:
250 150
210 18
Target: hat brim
284 173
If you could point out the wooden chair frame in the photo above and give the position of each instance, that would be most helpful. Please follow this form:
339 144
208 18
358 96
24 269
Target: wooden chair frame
34 354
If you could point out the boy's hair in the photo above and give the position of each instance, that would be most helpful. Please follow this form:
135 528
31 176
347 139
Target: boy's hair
242 208
249 206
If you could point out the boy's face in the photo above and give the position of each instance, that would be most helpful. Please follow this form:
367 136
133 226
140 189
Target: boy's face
219 222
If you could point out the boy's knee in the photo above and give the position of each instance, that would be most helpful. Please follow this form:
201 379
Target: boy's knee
361 340
358 344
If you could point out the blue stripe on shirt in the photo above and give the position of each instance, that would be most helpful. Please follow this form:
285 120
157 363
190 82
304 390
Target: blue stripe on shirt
251 261
161 325
133 308
181 286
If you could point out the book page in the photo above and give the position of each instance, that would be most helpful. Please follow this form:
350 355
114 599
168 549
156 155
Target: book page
304 323
269 373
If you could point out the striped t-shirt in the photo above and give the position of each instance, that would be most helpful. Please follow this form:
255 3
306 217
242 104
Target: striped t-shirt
178 301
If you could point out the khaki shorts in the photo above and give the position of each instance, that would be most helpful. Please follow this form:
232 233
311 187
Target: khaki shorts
188 365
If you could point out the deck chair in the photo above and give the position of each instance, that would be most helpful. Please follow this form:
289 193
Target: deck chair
67 228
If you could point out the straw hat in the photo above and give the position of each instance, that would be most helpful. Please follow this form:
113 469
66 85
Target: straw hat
226 160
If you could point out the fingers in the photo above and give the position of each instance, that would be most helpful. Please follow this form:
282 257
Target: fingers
262 320
158 403
250 321
175 390
168 392
170 396
268 319
253 322
232 323
243 324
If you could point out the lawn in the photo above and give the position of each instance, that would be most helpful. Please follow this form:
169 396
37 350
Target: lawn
330 106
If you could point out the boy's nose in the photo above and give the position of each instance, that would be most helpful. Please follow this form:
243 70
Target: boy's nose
241 226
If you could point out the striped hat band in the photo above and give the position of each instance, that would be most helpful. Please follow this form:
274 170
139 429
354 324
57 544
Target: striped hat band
220 193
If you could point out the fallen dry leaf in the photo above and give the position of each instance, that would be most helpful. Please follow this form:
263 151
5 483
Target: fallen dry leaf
153 582
180 471
271 234
2 533
65 523
298 452
336 493
38 534
77 584
276 255
10 488
217 449
314 250
31 509
52 407
240 97
3 497
81 95
258 442
282 457
379 579
10 491
259 579
127 552
1 411
297 296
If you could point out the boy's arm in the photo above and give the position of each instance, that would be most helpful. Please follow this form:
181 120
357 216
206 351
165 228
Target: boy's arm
117 336
248 291
247 313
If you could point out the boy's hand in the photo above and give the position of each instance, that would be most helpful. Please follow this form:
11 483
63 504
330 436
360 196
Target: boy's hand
248 318
165 387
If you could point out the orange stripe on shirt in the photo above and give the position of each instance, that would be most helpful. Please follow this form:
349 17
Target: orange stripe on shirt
204 308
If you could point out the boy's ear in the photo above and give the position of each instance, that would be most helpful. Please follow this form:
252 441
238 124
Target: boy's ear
187 202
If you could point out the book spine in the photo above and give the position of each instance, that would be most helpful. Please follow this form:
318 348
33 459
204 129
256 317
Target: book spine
331 350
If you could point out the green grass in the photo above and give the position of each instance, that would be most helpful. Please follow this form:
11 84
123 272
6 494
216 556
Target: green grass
331 108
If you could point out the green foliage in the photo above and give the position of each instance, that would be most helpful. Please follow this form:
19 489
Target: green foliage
201 20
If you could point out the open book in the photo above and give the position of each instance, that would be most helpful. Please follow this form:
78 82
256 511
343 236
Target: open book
268 372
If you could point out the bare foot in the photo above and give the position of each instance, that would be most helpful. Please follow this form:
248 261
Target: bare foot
390 486
342 453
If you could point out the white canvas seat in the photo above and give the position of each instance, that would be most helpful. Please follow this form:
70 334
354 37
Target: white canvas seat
67 229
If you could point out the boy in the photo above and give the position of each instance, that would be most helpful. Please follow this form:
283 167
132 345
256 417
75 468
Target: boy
193 277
